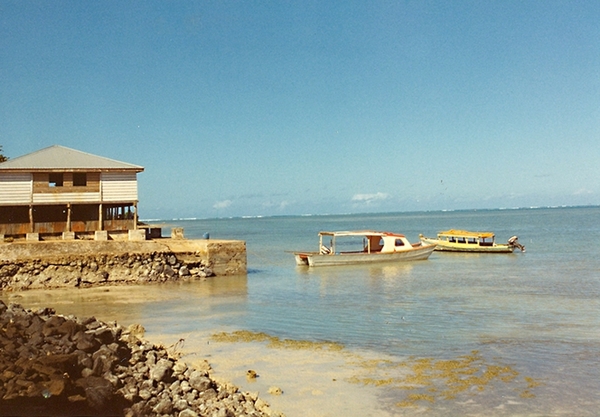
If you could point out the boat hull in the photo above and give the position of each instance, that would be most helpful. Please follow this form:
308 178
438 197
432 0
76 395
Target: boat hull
442 245
317 259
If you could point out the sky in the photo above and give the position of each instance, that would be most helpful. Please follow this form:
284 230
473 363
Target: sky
263 108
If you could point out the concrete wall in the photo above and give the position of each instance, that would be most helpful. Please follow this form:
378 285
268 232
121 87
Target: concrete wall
28 265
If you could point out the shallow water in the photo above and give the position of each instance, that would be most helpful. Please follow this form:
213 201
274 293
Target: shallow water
502 334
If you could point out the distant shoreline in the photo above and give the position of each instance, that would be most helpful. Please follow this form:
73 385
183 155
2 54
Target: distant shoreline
382 213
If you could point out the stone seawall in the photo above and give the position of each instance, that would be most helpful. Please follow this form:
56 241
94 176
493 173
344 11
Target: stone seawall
58 264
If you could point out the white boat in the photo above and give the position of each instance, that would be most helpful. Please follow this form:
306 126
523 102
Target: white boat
363 247
464 241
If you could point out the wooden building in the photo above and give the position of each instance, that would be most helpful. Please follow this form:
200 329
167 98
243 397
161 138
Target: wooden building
58 191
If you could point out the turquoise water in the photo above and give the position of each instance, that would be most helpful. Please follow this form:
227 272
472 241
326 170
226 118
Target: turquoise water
536 313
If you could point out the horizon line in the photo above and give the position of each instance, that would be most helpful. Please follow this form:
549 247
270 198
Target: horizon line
259 216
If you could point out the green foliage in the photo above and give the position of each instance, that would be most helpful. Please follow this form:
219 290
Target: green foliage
2 157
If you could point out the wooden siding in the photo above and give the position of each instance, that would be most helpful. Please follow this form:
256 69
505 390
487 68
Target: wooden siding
119 186
28 188
15 188
41 184
53 198
15 229
118 225
59 227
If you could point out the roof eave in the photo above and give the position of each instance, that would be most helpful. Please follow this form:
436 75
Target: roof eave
35 170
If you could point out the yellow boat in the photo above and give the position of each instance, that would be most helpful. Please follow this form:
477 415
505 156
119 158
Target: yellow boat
465 241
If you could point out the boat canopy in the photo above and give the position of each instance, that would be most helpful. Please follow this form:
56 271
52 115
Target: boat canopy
465 233
360 233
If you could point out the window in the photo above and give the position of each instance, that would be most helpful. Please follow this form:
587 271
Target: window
399 242
79 179
56 180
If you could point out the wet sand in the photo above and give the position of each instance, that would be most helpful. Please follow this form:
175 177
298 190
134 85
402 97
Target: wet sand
314 381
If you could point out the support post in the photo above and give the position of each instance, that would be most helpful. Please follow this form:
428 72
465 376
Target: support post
100 217
68 217
135 216
31 224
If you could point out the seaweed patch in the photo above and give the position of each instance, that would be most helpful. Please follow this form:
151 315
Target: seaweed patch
274 341
422 381
428 380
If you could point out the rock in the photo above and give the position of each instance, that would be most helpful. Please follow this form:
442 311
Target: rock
104 335
187 413
70 366
54 387
98 392
199 381
136 332
86 342
60 363
185 386
161 371
208 394
203 366
261 405
179 368
145 394
169 272
164 406
51 325
103 360
180 404
151 358
69 328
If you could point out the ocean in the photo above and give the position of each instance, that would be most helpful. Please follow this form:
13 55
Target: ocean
457 334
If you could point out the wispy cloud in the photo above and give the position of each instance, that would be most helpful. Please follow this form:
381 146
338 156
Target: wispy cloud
369 198
583 191
280 205
222 204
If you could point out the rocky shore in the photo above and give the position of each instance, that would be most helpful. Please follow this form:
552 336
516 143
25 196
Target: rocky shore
62 365
99 269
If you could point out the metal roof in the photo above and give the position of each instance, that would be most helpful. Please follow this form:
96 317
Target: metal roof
362 233
58 157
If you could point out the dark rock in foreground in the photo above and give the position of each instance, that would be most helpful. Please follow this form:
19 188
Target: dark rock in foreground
56 365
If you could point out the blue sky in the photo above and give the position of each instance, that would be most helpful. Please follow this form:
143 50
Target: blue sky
243 108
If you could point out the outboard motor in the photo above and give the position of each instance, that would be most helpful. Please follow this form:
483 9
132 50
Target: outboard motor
514 242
